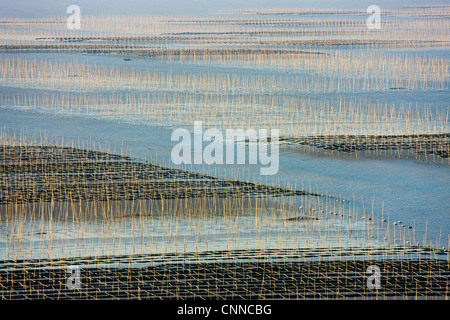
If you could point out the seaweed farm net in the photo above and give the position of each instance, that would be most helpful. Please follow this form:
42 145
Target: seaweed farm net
58 202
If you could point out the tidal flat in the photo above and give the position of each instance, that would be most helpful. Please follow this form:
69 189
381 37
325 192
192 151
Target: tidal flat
87 176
